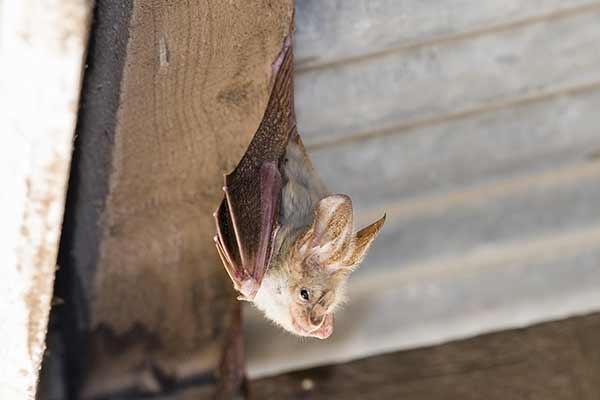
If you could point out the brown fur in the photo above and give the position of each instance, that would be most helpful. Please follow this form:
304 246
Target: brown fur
314 249
317 249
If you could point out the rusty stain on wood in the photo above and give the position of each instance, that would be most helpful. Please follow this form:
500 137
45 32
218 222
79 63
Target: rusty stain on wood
41 281
39 212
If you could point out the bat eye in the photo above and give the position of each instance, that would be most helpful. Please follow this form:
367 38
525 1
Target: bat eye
304 295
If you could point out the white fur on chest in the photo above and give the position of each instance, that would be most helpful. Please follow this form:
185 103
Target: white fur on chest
273 300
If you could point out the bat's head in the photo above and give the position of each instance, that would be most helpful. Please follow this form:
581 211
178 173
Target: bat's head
316 268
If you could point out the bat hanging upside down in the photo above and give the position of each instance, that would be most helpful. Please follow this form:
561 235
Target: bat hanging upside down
286 242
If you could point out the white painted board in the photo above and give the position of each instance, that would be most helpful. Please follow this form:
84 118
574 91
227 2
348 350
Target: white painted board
42 47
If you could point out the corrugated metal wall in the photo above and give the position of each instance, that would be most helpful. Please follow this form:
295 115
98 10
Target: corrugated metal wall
476 126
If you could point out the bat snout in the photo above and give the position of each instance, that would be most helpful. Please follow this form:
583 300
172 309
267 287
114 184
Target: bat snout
316 320
325 329
312 324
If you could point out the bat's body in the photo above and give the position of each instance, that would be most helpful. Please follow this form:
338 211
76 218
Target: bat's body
300 196
286 242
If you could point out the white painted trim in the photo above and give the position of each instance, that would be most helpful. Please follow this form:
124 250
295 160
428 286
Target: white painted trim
42 48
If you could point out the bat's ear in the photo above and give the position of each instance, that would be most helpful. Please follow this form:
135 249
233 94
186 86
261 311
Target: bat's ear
362 242
331 232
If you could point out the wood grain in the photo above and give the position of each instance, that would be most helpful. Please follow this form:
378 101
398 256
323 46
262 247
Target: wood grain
194 85
553 361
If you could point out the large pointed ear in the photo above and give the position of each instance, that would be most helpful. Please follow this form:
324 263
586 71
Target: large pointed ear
362 242
331 231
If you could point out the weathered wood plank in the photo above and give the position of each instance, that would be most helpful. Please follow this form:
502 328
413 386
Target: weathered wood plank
159 311
340 30
420 84
545 362
42 47
586 333
464 152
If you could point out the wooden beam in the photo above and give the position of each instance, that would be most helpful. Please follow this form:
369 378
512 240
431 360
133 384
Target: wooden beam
553 361
42 47
173 95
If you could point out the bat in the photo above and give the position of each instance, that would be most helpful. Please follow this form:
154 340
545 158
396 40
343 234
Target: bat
286 242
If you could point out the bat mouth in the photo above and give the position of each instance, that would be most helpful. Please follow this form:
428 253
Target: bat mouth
298 327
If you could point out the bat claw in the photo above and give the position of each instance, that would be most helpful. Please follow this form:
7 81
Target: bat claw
248 289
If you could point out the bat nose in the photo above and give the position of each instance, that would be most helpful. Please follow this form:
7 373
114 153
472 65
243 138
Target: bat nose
316 320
